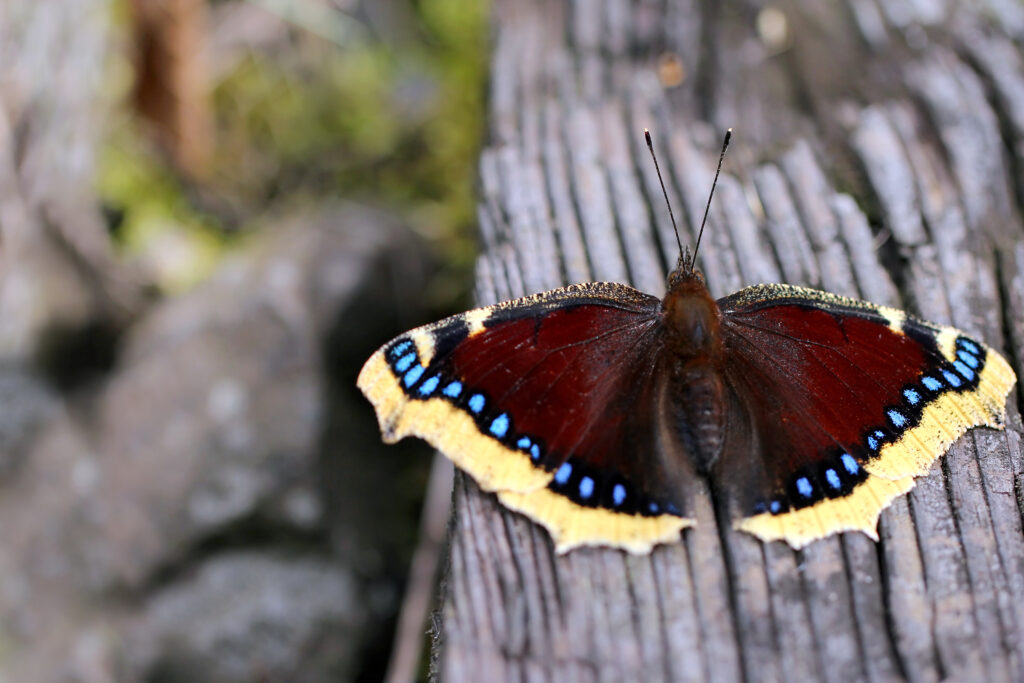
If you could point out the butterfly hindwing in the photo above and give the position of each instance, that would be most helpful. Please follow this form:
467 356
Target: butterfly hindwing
845 403
553 401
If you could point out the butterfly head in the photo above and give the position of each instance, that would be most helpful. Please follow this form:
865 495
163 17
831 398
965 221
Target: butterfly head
684 266
690 313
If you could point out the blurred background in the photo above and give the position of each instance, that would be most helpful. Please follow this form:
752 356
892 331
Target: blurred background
211 213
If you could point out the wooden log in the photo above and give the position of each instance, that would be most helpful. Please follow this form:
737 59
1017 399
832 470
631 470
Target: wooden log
877 154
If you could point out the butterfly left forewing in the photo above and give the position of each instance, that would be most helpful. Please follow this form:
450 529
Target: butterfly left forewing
848 403
549 401
414 394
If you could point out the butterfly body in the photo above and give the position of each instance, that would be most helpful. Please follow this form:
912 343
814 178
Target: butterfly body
691 328
594 408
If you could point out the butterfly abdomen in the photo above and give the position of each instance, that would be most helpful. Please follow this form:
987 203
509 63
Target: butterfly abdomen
701 411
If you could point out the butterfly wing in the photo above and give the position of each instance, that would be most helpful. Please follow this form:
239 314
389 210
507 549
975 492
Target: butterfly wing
845 402
557 402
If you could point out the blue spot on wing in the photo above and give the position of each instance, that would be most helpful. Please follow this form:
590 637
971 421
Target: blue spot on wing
803 486
400 348
412 376
452 390
563 473
970 346
476 403
931 383
832 477
896 417
405 362
653 507
524 442
775 506
586 487
849 463
913 398
618 494
535 452
499 426
964 371
968 358
953 380
428 386
873 443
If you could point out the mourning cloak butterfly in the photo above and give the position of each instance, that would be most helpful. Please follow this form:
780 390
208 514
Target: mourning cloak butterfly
591 408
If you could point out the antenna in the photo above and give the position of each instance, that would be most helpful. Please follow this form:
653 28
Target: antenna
725 146
650 146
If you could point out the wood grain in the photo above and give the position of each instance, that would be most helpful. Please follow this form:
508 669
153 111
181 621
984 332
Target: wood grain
877 154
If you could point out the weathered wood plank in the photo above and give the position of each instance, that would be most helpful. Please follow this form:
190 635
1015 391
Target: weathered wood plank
870 170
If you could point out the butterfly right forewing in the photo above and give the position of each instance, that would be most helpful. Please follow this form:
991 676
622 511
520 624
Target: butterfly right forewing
846 403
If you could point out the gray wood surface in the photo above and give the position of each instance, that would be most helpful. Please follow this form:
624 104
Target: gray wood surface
877 154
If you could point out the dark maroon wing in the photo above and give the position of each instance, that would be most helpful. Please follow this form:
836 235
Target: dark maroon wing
839 404
556 401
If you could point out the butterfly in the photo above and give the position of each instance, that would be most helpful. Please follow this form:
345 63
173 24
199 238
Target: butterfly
593 408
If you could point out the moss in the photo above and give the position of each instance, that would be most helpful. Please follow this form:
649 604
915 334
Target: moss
391 115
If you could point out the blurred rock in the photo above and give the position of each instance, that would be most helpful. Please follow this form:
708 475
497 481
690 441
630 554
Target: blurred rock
217 442
215 416
28 403
247 617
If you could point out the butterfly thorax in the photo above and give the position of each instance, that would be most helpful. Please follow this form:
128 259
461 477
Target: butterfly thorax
692 317
692 323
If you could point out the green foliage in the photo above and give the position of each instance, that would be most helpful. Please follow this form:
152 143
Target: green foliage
390 113
158 223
